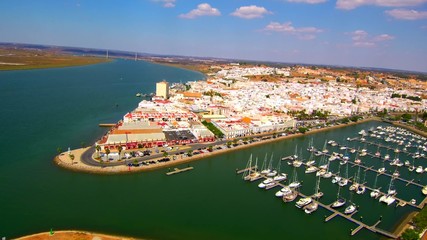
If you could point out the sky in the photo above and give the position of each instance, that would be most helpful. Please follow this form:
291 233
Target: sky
361 33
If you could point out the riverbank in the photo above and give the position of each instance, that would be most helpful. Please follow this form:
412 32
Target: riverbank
64 160
73 235
26 59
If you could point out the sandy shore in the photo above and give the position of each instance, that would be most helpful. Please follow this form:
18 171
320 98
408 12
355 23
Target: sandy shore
63 160
73 235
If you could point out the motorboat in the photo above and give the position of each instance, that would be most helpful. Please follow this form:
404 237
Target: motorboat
336 179
284 191
266 182
290 197
311 169
382 170
419 169
294 184
424 190
327 175
280 177
375 193
311 207
303 201
388 199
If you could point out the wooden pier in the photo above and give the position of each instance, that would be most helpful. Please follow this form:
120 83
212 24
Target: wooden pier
107 124
177 170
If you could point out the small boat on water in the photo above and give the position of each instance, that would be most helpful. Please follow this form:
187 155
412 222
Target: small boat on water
339 202
266 182
294 182
311 169
419 169
303 201
280 177
311 207
424 190
350 208
290 197
284 191
388 199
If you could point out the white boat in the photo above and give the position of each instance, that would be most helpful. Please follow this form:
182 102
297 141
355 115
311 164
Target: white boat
411 168
266 182
339 202
419 169
284 191
311 169
290 197
424 190
375 193
381 170
336 179
350 209
327 175
280 177
297 163
388 199
264 167
343 182
303 201
360 189
311 207
295 183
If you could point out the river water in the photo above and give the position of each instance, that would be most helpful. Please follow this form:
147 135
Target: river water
46 109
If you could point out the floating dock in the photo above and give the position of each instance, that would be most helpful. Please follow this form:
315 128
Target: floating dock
177 170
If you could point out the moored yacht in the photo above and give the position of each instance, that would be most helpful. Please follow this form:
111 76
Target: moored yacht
311 207
290 197
350 208
303 201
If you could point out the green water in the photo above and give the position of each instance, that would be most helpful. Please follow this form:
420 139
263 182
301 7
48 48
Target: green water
46 109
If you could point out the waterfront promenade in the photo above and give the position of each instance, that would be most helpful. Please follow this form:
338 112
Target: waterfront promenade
84 161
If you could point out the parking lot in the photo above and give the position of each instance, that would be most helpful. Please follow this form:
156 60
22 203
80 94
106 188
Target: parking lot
179 135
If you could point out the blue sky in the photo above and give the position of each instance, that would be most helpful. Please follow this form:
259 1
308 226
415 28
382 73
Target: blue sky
368 33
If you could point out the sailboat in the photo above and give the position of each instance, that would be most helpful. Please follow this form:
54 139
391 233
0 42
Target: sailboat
388 198
337 176
356 180
284 191
298 161
378 153
351 207
273 172
340 201
361 187
281 176
264 167
382 169
311 160
254 174
325 150
344 181
294 183
247 173
376 192
317 194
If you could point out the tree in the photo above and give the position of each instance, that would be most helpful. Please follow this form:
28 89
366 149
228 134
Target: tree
98 149
210 148
406 117
59 150
229 144
410 234
190 153
302 130
165 154
120 149
107 151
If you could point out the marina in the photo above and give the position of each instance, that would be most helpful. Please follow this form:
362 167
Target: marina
360 162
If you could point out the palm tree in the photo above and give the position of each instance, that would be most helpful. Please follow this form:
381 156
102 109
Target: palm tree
165 154
98 149
120 149
107 151
190 153
59 150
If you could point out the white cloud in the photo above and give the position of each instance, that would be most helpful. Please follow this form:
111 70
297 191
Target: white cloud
167 3
308 1
305 33
352 4
250 12
203 9
405 14
361 38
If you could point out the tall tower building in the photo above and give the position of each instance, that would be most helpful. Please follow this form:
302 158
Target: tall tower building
162 89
